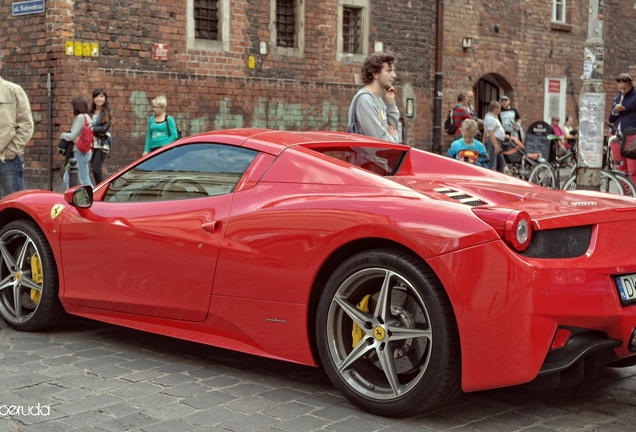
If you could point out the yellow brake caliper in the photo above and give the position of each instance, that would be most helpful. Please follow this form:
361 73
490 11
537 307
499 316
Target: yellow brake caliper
36 275
357 333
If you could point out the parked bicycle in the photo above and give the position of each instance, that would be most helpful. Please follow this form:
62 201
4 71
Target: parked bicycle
614 177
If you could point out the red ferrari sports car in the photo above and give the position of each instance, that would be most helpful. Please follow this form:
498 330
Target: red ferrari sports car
410 277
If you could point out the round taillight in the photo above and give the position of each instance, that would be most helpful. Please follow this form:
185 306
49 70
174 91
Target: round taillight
518 230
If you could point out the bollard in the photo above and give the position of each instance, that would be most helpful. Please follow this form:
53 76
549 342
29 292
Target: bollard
73 176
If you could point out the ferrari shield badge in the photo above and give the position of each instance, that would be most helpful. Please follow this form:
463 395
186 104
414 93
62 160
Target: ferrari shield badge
56 210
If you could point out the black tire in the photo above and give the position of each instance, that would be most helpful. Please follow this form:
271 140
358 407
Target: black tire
27 267
406 359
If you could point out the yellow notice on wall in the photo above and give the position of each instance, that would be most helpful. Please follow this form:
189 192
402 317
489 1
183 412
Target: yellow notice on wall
86 49
94 49
69 48
77 49
251 62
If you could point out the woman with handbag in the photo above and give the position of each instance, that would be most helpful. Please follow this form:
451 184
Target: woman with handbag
623 118
82 119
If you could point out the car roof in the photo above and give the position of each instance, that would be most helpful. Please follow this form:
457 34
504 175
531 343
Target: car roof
275 141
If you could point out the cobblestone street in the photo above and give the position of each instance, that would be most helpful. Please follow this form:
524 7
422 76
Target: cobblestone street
92 376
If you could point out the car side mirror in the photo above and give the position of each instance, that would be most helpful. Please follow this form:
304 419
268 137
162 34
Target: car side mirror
79 196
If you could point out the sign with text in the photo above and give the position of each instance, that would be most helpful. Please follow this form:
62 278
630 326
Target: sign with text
160 51
27 7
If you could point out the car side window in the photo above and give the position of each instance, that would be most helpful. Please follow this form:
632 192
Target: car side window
184 172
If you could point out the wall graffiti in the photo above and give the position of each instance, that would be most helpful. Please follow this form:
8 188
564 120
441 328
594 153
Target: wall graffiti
329 115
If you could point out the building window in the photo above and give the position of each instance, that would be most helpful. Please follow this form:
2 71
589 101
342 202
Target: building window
285 23
208 24
353 30
206 19
558 11
287 27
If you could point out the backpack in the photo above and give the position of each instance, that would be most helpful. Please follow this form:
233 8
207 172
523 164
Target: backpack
449 125
179 134
84 141
352 119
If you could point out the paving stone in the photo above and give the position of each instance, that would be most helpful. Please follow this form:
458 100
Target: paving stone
129 381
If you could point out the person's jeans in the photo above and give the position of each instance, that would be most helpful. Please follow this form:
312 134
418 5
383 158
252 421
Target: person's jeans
97 162
11 176
496 161
83 162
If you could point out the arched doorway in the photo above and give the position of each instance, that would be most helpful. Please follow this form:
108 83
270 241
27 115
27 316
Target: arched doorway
489 88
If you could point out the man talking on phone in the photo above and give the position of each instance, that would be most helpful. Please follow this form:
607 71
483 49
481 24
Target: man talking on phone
373 111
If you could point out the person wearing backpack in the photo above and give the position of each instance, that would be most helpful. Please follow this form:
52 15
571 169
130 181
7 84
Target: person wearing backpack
373 111
162 129
75 148
460 113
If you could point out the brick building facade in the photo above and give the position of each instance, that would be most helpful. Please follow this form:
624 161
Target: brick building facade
247 77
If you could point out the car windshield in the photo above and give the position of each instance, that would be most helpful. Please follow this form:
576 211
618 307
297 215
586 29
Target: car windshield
379 160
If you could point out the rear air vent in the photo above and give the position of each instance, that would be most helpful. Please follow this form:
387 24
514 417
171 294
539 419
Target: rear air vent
462 197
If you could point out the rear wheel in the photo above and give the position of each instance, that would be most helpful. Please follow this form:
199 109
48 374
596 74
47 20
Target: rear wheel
544 175
610 183
28 278
387 335
626 183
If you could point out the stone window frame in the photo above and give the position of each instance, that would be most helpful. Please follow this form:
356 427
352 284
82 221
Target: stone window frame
349 57
559 9
223 44
299 49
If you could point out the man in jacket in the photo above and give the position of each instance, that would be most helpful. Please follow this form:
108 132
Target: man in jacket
16 129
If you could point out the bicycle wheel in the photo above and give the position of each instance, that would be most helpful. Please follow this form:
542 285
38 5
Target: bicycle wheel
544 175
610 183
626 182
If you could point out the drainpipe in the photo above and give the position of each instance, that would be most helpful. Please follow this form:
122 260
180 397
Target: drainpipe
439 79
50 130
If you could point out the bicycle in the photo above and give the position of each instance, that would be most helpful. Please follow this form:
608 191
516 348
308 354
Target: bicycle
613 179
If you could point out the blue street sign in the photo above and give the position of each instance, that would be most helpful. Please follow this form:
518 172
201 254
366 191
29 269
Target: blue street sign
27 7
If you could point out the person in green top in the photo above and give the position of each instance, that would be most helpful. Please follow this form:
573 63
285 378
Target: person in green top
162 130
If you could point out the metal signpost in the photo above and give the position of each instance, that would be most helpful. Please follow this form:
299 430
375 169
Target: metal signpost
592 102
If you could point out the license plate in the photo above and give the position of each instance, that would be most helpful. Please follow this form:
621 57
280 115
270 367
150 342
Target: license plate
626 288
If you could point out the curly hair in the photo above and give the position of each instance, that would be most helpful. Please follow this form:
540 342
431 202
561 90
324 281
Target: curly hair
374 64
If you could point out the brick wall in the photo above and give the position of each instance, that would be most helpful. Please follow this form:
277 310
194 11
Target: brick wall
211 90
525 49
205 90
618 36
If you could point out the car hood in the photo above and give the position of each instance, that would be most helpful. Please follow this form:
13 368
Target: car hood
547 208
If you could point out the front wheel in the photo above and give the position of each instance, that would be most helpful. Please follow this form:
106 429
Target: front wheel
544 175
28 278
387 335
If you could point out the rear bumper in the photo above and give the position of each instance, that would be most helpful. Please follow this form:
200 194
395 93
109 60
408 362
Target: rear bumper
508 308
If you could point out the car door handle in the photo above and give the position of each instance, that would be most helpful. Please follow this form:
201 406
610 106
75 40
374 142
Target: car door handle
214 227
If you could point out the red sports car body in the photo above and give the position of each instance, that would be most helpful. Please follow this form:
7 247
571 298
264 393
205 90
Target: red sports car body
408 276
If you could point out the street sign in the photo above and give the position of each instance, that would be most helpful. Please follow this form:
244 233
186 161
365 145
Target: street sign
27 7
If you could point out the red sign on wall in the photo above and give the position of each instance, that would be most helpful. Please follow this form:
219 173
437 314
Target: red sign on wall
160 51
554 86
